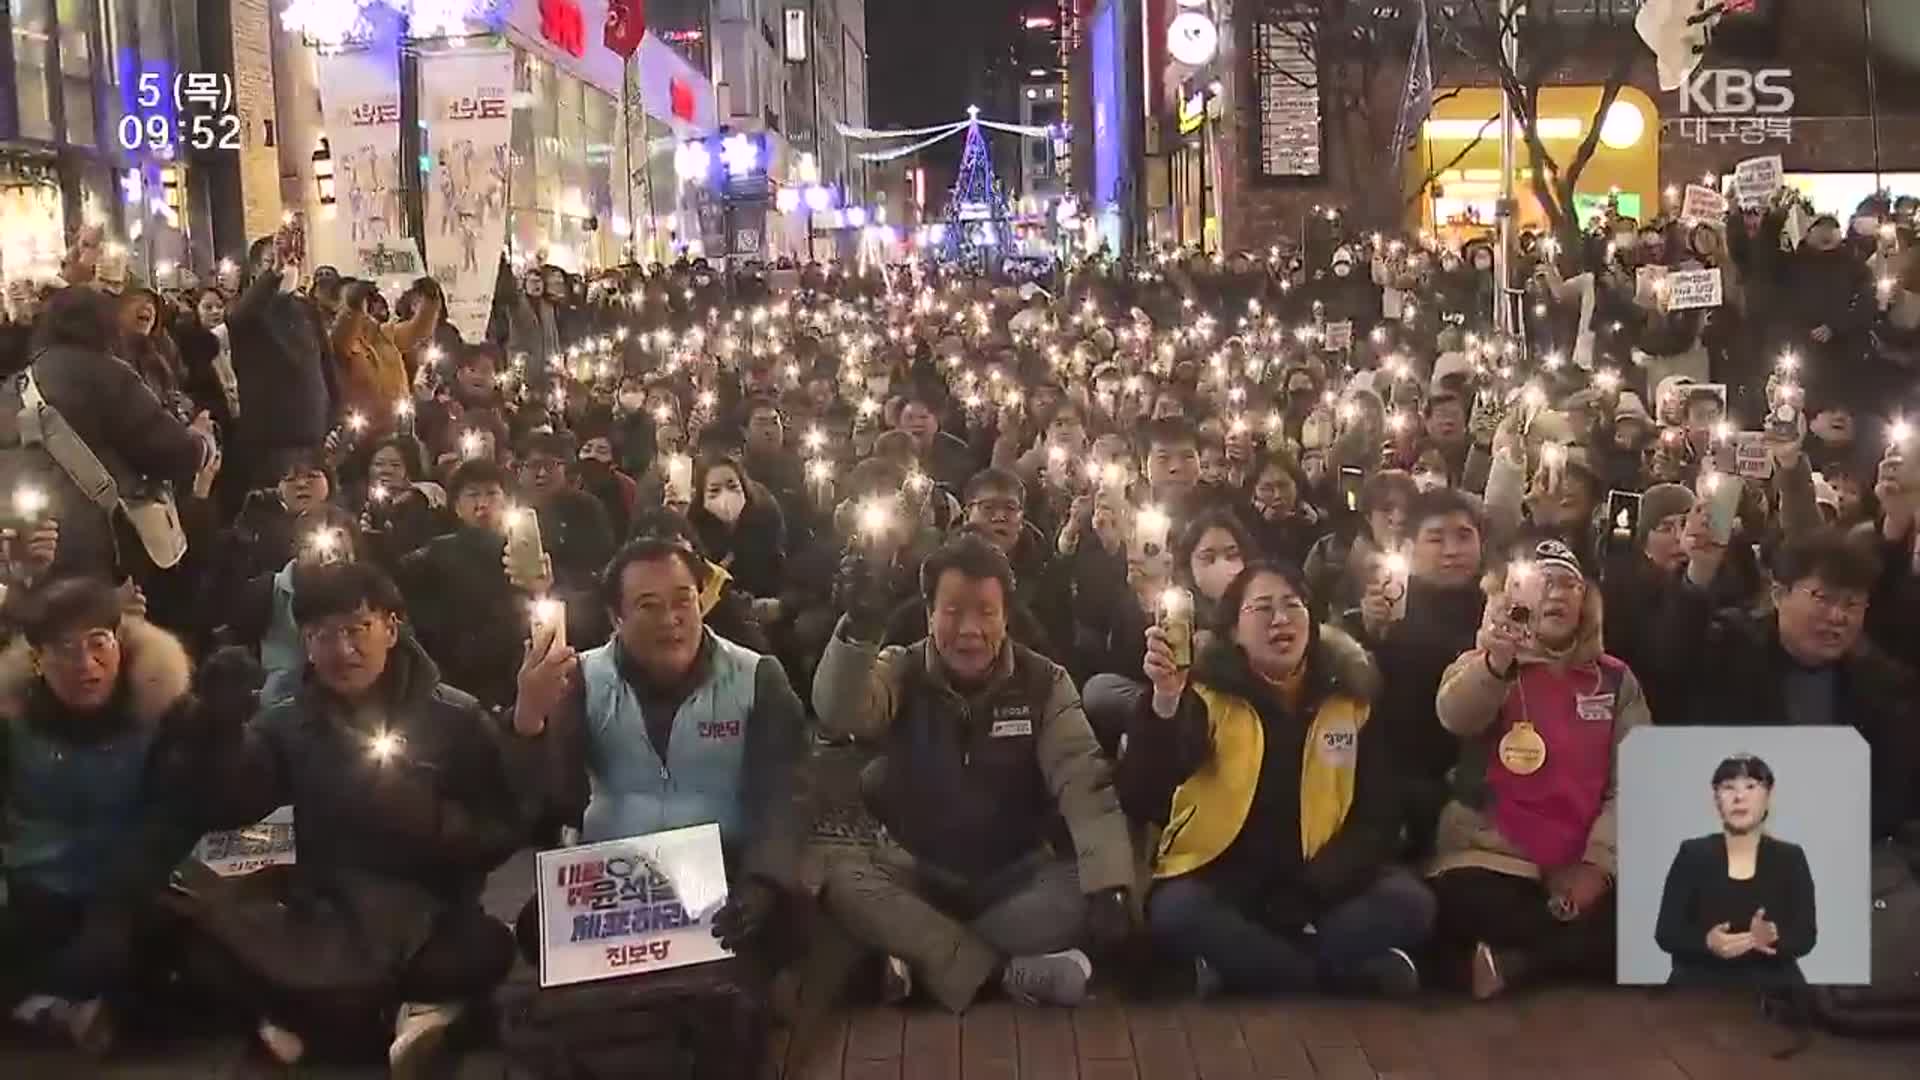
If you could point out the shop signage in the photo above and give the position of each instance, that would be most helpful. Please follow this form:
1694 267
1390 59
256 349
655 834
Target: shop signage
1289 134
1738 92
628 907
572 36
1727 105
562 24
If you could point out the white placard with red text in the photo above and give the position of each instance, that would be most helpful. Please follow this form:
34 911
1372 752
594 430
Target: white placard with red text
466 101
1756 179
628 907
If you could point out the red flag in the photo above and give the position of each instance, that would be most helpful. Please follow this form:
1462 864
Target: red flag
626 25
684 105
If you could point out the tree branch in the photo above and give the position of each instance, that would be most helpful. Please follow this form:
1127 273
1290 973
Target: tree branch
1433 174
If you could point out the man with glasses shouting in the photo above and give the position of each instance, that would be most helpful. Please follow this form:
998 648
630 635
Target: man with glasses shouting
1809 662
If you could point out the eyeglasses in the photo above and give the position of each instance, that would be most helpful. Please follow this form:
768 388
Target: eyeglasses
1851 607
996 507
542 466
356 635
93 645
1268 612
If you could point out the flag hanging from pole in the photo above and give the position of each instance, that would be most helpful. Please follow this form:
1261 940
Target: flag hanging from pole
1417 102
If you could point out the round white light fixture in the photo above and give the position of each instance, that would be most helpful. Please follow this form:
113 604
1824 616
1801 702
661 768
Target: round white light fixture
1192 39
1623 126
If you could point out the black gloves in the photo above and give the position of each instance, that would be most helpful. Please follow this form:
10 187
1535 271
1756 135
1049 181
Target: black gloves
229 681
745 913
1109 922
862 591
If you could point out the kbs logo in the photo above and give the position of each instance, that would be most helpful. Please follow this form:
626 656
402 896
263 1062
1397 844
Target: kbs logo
1738 92
562 24
722 729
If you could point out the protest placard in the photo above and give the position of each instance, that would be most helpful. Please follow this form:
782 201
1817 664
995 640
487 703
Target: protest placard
1650 286
1752 456
1340 335
1703 204
1689 289
233 852
1756 179
626 907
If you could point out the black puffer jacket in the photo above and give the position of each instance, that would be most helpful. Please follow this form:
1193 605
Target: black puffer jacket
387 847
467 616
287 389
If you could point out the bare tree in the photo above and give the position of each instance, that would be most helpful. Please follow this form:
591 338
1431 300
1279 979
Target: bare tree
1352 46
1550 34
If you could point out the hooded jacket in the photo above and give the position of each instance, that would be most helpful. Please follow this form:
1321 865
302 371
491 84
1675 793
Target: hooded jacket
1264 797
1582 704
96 806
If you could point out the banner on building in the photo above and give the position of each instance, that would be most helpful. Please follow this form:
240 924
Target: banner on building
466 102
627 907
360 99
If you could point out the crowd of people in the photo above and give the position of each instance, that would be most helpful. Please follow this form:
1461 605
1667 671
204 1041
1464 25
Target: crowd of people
1280 610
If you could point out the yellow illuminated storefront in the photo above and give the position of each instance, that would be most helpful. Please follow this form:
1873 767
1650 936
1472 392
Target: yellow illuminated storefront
1466 177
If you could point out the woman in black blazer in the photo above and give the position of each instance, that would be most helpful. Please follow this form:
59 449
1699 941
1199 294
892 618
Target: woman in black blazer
1738 907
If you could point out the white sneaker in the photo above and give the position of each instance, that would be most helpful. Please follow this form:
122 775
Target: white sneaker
286 1047
419 1034
1054 979
896 983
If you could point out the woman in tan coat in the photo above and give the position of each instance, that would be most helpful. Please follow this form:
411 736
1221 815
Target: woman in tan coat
373 369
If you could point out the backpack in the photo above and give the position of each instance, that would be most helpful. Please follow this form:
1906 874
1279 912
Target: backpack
706 1022
1890 1004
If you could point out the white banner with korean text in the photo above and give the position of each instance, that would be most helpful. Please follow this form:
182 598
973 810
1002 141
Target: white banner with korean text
466 106
360 101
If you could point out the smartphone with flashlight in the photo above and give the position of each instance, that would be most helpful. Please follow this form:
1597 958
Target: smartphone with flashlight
1525 592
1351 480
1175 619
1722 494
1623 518
548 619
526 556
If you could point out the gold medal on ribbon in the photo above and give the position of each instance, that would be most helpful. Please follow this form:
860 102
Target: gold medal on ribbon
1522 750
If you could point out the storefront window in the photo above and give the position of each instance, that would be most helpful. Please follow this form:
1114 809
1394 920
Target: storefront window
601 115
76 71
32 39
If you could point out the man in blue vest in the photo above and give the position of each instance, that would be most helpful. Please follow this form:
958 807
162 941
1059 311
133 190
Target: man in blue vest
984 752
669 725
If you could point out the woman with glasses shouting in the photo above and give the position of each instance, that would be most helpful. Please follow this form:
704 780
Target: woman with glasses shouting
1274 871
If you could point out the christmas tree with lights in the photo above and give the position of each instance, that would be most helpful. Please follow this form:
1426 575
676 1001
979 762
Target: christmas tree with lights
978 235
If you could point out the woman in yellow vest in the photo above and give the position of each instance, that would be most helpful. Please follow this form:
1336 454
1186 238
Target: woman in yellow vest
1275 866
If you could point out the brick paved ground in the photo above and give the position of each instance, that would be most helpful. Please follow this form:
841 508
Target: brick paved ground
1556 1035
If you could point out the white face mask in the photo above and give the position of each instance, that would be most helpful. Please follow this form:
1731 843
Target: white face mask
1214 579
727 505
1342 269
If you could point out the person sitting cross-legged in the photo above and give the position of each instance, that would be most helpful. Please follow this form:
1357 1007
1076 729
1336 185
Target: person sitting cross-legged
984 749
407 795
1276 791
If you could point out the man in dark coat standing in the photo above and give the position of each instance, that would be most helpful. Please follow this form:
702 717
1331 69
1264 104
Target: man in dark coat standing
286 384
